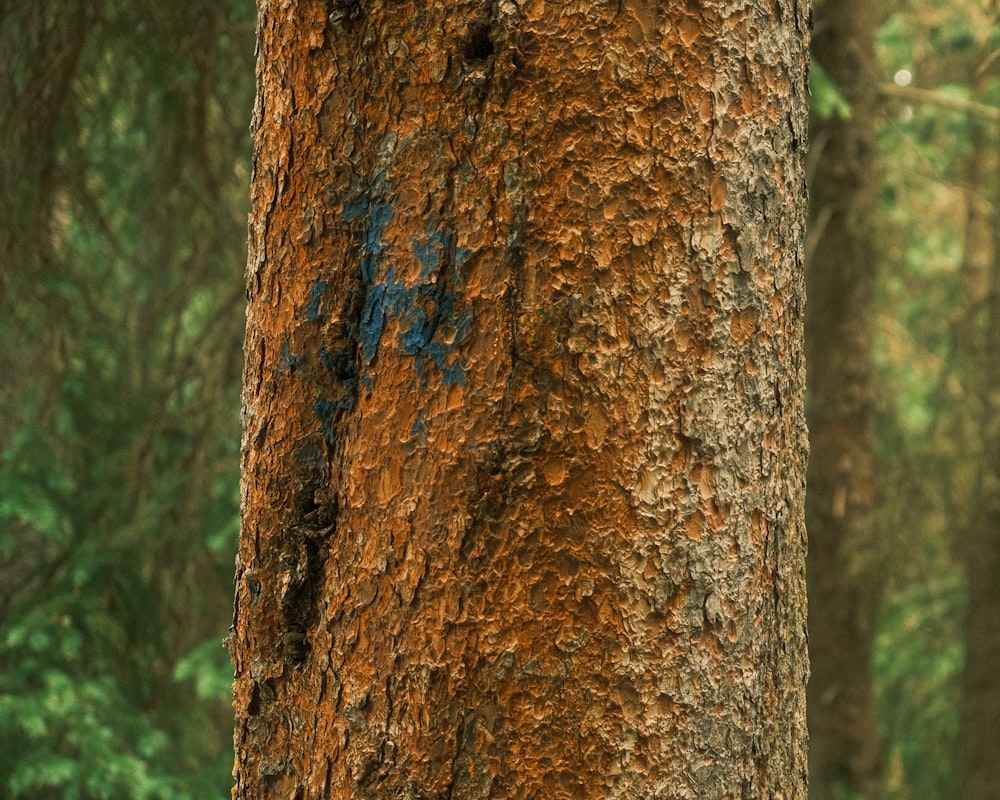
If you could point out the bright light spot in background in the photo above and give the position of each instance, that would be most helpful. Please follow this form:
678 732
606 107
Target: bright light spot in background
903 77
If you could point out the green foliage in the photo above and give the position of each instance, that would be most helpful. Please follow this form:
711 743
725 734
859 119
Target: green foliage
126 162
207 666
825 98
937 333
918 665
78 737
935 367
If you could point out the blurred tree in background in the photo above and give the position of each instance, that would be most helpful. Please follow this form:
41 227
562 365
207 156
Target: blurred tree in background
122 231
843 256
123 153
934 538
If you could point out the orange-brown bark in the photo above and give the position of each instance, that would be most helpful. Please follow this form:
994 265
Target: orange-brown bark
524 450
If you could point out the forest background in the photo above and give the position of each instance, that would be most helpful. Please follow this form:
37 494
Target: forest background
125 162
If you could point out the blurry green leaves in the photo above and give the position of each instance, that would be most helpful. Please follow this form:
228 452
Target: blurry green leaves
71 738
121 310
918 666
208 667
67 732
28 497
934 364
825 99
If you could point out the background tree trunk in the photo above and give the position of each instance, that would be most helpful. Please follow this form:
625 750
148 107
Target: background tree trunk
524 446
978 545
844 584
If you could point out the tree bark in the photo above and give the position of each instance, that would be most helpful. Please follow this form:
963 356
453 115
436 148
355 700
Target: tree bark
524 442
845 746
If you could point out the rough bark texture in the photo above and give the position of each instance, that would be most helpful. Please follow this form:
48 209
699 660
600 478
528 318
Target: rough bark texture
524 447
845 747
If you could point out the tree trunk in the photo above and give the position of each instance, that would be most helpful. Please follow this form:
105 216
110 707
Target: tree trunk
978 545
524 445
979 728
845 746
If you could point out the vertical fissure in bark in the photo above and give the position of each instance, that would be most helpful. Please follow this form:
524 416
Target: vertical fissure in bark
513 261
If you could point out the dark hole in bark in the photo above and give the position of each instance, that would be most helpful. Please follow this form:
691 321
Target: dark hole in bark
307 501
340 11
479 46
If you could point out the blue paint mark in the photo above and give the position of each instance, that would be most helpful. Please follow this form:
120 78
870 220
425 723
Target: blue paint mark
419 427
424 312
379 216
430 328
418 339
372 320
339 363
328 413
312 310
453 376
429 258
431 312
286 361
437 246
354 210
463 325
